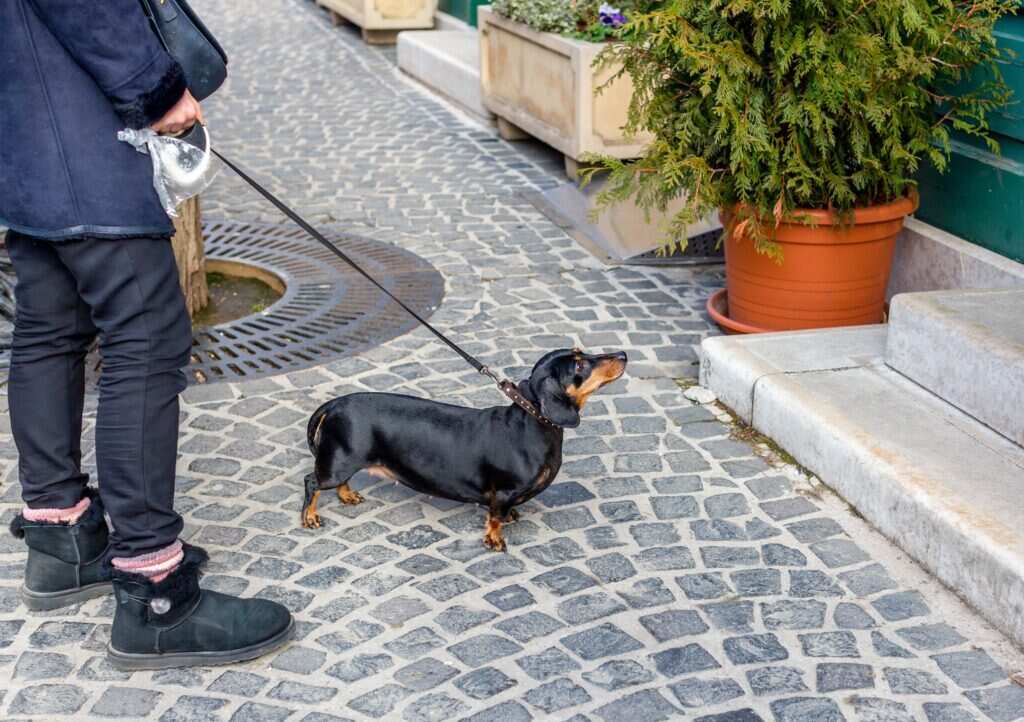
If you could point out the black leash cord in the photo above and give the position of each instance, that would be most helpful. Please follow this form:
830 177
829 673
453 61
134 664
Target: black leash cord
341 254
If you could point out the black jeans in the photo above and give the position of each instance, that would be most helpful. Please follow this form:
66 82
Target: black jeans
127 291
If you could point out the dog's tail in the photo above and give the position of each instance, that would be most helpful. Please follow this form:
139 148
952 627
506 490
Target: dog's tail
313 429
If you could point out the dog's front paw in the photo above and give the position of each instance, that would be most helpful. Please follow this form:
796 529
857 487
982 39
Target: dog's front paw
310 519
495 542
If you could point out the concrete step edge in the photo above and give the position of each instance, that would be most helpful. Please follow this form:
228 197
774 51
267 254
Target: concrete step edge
963 555
446 74
971 358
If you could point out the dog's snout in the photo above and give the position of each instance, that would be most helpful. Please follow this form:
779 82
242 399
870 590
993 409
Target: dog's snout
616 358
611 365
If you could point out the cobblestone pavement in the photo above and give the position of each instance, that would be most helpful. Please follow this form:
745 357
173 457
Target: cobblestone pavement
670 573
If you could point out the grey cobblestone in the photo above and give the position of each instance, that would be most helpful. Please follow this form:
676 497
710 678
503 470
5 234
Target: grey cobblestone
668 572
42 665
913 681
663 559
126 702
289 691
646 706
793 614
194 709
482 649
886 648
970 668
300 660
776 680
646 593
359 667
618 674
947 712
484 683
850 616
1004 703
529 626
600 641
829 644
379 702
425 673
931 637
754 649
833 676
701 693
689 659
434 707
556 695
900 606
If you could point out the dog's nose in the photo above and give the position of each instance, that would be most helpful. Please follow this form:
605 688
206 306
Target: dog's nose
619 356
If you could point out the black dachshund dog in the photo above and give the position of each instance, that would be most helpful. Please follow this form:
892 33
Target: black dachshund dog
497 457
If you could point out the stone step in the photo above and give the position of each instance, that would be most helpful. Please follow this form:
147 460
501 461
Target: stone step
447 62
967 347
941 485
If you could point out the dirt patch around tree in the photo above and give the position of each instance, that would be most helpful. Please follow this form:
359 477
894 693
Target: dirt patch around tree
232 297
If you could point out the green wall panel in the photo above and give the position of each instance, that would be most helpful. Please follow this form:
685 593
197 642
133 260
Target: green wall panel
464 10
980 197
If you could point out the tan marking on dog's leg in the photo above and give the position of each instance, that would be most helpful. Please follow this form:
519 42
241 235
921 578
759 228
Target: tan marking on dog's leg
316 431
310 519
492 536
348 496
381 472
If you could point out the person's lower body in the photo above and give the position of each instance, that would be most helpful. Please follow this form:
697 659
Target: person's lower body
126 290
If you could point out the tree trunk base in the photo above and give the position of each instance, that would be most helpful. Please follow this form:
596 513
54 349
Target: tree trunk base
190 256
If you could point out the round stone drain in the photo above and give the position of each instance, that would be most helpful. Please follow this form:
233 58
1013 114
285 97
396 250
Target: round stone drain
328 310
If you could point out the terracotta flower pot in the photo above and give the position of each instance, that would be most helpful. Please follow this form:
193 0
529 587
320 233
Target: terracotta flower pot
831 274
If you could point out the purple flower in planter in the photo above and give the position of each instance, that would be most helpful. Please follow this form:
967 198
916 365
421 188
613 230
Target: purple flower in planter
611 16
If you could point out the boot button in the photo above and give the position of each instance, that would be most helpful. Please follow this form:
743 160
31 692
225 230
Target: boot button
160 605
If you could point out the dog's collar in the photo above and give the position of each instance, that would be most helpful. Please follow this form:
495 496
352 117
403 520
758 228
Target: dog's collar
509 389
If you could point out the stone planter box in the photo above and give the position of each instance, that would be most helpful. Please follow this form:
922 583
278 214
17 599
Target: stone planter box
381 20
542 84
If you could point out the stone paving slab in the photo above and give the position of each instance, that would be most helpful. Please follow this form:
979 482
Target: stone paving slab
671 572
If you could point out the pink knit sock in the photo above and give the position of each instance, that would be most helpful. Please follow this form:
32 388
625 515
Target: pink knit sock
58 516
155 565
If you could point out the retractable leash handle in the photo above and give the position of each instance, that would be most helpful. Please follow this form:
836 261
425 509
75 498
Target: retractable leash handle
507 387
192 174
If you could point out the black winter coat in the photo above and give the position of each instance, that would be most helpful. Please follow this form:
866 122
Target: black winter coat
72 74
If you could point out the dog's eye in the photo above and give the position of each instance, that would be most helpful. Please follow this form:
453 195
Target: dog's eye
579 368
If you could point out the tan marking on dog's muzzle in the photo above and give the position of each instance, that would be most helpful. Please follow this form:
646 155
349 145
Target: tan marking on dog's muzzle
604 373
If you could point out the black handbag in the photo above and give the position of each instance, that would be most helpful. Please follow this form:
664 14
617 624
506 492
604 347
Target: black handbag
188 41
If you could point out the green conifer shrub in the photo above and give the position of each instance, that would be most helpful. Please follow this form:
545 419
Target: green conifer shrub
771 106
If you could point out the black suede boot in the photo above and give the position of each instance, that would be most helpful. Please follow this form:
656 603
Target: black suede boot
175 623
67 563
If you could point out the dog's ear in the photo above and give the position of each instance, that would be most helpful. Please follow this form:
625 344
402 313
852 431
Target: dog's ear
556 405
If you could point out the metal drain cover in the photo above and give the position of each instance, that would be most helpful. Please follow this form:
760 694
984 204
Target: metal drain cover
703 248
327 311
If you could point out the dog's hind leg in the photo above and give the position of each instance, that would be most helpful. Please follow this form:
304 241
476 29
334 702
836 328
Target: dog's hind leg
492 534
338 468
348 496
331 469
310 519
